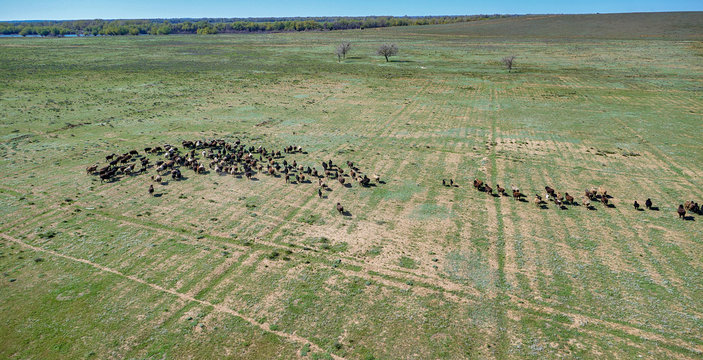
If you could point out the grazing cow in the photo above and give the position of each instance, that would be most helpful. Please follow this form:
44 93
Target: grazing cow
151 189
636 205
591 194
587 202
319 193
156 178
569 198
558 203
107 175
287 178
365 181
91 169
376 178
688 204
478 184
516 193
549 191
602 191
451 182
444 182
501 191
340 208
488 189
134 152
682 212
538 200
341 180
604 200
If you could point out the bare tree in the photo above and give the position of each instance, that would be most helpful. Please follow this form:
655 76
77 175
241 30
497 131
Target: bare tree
342 50
508 62
387 50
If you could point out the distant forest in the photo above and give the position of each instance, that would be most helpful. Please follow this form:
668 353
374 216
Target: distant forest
215 26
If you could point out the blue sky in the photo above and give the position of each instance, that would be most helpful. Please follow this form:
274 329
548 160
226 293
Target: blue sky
133 9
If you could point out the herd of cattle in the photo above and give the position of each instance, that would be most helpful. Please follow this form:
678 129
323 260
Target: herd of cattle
561 200
228 159
239 160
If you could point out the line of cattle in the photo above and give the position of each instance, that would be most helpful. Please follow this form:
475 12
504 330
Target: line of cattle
598 195
228 158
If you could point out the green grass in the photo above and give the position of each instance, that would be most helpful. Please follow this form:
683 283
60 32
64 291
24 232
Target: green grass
418 270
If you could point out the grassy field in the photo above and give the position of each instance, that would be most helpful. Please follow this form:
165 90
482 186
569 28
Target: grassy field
219 266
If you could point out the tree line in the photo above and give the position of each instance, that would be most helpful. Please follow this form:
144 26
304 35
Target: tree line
215 26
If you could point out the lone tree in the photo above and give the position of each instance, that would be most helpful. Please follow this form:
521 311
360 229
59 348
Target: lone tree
508 62
342 50
387 50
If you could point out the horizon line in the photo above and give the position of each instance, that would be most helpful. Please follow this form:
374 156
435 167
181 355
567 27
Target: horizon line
355 16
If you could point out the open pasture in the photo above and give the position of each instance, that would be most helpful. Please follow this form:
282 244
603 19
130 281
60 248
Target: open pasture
219 266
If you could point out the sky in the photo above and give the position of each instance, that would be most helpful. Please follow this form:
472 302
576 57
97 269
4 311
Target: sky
143 9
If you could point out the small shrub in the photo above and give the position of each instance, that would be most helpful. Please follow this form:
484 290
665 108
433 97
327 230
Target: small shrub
407 263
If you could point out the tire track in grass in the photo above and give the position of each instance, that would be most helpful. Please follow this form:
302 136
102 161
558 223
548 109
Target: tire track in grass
212 241
26 221
633 328
206 284
264 326
629 329
612 326
502 298
672 164
514 252
632 243
362 276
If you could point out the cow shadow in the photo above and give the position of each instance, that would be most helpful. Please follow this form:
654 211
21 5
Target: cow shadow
689 218
346 213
